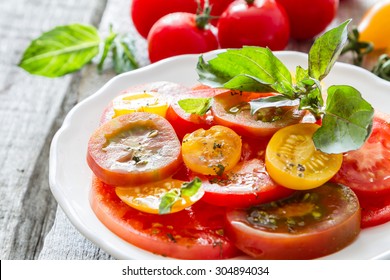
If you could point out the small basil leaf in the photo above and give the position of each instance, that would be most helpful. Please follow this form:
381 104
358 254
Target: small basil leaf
245 69
272 101
62 50
191 188
347 122
167 201
198 106
326 49
312 100
108 42
122 55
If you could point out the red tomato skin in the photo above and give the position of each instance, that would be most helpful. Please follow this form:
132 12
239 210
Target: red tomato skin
144 13
189 234
176 34
263 23
261 244
375 211
309 18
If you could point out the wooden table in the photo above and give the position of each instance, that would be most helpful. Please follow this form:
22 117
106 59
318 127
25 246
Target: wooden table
32 109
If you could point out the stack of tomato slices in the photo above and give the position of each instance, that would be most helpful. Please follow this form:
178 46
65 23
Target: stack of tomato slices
148 154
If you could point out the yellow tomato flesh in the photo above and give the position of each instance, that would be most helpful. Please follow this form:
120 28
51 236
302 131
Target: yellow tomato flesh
147 197
293 161
212 151
140 102
374 26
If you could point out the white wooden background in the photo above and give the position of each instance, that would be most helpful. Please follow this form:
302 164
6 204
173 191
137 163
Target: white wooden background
32 109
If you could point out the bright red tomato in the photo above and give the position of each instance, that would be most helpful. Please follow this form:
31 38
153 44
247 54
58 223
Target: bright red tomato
179 33
254 23
232 109
309 18
197 232
309 224
183 122
375 210
134 149
367 170
145 13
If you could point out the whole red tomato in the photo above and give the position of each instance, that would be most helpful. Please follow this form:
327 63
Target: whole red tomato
145 13
309 18
254 22
179 33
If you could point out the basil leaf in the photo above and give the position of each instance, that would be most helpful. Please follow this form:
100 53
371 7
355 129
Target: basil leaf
325 51
347 122
198 106
272 101
123 57
106 48
167 201
191 188
62 50
247 69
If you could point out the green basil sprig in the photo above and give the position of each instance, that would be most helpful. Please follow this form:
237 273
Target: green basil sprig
347 117
68 48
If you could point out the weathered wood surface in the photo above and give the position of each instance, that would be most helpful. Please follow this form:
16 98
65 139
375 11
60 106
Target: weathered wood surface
32 109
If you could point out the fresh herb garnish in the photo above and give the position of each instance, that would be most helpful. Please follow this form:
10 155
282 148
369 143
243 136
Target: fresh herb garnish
198 106
66 49
169 199
347 117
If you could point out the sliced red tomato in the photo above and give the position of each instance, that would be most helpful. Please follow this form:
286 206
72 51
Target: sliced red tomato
232 109
197 232
134 149
247 184
375 210
367 170
167 90
183 122
309 224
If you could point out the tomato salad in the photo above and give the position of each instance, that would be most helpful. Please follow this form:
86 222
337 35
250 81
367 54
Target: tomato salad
250 162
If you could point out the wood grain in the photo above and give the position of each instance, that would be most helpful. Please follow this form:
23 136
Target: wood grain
32 109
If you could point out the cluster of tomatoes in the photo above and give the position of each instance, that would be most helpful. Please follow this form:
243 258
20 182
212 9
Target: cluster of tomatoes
175 27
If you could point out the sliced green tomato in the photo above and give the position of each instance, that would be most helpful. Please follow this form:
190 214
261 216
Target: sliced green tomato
293 161
309 224
212 151
150 102
147 198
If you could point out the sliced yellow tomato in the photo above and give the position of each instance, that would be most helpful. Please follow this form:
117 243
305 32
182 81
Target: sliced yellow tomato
147 198
212 151
293 161
150 102
374 25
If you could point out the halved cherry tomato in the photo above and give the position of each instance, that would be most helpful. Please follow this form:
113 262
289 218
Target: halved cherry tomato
232 109
293 161
167 91
147 197
149 102
307 225
197 232
247 184
183 122
367 170
212 151
134 149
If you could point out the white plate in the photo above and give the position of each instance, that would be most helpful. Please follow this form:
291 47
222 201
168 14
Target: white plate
70 175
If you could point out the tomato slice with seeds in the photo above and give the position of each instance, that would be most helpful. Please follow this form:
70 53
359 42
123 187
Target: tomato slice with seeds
213 151
309 224
232 109
147 197
293 161
134 149
197 232
247 184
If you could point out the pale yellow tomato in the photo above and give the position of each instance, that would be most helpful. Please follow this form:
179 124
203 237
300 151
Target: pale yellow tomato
293 161
150 102
212 151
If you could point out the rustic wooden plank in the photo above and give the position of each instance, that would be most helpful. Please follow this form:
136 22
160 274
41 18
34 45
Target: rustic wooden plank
31 110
